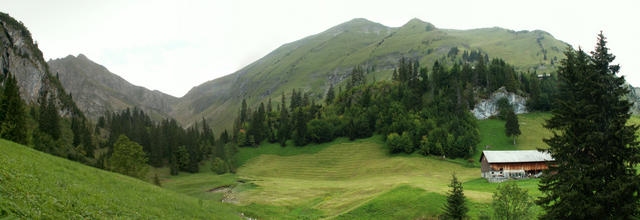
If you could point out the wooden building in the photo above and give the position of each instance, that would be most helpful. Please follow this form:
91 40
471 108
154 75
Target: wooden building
498 166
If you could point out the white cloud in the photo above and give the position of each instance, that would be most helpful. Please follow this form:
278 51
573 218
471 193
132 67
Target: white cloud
172 46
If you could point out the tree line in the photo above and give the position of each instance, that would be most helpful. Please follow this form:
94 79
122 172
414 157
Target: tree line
165 143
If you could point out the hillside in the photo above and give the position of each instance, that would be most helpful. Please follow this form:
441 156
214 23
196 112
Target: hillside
96 90
36 185
318 61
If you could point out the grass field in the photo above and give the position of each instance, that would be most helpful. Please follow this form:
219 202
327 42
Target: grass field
35 185
342 179
357 179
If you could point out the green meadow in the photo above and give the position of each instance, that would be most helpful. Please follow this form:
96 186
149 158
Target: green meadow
357 179
342 179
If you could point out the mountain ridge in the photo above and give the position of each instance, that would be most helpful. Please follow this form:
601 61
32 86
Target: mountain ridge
98 90
316 62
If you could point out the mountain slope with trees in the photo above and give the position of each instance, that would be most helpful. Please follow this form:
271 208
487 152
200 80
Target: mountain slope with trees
318 62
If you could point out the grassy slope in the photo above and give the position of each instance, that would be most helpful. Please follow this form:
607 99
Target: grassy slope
36 185
356 179
492 133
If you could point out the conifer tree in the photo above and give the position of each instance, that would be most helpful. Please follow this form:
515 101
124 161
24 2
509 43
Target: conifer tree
243 111
456 207
283 129
12 113
512 128
49 118
330 95
596 153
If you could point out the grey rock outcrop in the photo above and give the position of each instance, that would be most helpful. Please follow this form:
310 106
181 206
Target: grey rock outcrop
20 56
486 108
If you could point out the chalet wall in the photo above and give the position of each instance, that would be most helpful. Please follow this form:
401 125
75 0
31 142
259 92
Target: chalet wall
519 166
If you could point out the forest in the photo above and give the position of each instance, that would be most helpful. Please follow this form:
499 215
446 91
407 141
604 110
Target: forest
419 110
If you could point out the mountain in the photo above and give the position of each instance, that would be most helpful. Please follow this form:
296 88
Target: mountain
311 64
318 61
20 56
96 90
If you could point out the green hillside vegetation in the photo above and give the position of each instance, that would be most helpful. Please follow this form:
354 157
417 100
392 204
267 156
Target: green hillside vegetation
314 63
355 179
35 185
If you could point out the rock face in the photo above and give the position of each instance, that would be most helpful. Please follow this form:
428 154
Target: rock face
486 108
634 97
96 90
22 58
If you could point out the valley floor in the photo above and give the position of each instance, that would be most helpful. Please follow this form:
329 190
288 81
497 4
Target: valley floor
358 179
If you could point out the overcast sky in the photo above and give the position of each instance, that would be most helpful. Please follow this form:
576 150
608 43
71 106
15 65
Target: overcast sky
173 46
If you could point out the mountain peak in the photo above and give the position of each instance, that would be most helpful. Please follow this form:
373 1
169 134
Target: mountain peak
82 56
416 22
357 25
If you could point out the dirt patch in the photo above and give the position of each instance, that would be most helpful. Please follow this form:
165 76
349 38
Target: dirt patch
227 193
220 188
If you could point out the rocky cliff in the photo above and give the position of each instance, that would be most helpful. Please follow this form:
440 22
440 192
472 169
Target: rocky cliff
486 108
20 56
96 90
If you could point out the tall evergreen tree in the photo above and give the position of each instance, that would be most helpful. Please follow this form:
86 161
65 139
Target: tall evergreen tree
512 127
283 129
243 112
12 113
330 95
456 207
596 153
49 120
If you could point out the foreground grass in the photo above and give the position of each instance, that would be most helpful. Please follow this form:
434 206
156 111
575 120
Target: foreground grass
35 185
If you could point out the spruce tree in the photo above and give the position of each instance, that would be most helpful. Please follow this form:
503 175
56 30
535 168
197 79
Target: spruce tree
13 122
330 95
595 151
243 111
512 127
283 128
456 207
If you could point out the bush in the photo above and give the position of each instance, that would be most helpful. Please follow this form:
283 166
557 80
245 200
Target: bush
399 143
219 166
320 131
511 202
128 158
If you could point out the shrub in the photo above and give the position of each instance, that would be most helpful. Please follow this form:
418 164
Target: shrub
219 166
320 131
399 143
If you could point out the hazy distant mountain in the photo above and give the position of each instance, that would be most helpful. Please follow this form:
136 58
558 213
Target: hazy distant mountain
315 62
20 56
96 90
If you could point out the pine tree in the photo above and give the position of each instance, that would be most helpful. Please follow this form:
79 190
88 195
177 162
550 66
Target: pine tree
596 153
330 95
243 112
49 118
456 207
283 129
512 128
12 113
